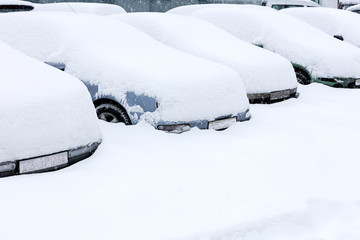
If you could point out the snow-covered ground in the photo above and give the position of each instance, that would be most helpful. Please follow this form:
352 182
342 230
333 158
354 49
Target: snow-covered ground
291 172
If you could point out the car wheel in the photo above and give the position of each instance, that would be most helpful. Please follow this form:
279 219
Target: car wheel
302 77
110 112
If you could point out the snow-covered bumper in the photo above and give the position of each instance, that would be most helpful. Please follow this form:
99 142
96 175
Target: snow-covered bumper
271 97
340 82
217 124
47 163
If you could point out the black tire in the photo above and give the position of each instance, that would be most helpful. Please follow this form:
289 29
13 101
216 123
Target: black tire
110 112
302 77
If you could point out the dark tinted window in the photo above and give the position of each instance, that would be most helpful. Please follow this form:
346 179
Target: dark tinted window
15 8
282 6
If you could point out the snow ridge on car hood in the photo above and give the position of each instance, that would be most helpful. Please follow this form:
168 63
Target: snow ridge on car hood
261 70
294 39
43 110
119 58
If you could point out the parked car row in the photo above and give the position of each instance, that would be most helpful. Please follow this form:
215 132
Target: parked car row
171 70
316 57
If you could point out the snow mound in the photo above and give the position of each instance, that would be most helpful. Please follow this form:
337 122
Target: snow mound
261 70
77 7
43 110
302 44
331 21
16 2
117 59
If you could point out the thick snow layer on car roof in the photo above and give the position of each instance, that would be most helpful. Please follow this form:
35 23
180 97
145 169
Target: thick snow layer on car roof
119 58
43 110
190 9
77 7
354 8
323 56
349 1
331 21
261 70
15 2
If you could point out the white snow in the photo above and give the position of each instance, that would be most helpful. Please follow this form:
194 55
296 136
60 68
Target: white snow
119 58
331 21
261 70
81 7
43 110
290 173
355 8
323 56
349 1
16 2
298 3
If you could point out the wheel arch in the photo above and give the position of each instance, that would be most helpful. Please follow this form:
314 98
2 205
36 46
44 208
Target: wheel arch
302 69
105 100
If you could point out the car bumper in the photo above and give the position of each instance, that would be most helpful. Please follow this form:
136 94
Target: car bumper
271 97
36 164
217 124
340 82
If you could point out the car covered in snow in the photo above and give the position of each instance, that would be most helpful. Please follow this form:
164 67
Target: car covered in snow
267 76
345 4
343 25
131 76
74 7
47 118
81 7
355 8
15 6
316 57
281 4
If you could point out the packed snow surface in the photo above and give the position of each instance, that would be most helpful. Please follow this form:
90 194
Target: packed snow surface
290 173
118 59
261 70
331 21
80 7
320 54
43 110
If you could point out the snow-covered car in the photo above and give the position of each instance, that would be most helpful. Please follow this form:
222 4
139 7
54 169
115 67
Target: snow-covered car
345 4
316 57
267 76
81 7
47 118
131 76
15 6
74 7
281 4
354 8
343 25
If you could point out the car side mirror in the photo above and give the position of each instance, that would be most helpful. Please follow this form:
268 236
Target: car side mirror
60 66
339 37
